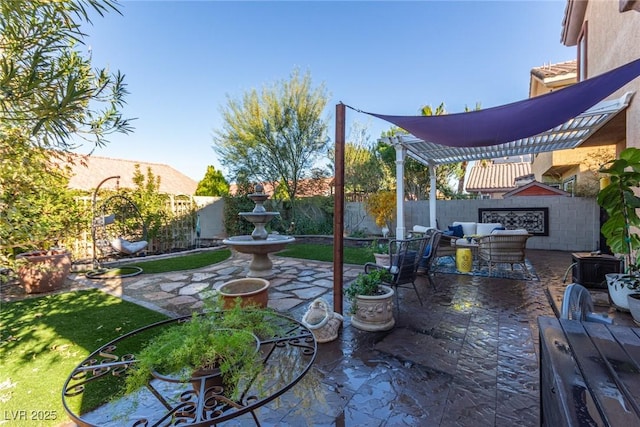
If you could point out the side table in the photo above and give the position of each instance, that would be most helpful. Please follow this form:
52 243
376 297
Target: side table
466 253
590 270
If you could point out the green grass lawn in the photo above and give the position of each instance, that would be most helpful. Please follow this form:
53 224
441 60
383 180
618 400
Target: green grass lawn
358 256
42 339
183 262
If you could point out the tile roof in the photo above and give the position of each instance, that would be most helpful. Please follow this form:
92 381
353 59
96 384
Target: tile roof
492 177
88 171
306 187
550 71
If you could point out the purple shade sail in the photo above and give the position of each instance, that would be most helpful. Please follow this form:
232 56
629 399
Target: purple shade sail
517 120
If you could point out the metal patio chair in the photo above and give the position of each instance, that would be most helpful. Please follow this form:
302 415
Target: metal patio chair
431 252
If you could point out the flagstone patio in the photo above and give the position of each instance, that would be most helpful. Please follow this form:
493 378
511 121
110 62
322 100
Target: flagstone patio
468 356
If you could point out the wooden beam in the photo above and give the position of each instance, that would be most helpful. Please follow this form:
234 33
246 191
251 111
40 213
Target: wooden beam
338 209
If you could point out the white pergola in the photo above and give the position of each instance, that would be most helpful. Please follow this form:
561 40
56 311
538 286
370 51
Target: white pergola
570 134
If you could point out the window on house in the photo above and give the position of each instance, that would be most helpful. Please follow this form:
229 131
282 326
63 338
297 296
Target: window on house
582 52
626 5
569 185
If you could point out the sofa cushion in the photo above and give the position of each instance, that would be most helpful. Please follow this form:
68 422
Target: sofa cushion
485 228
421 229
517 231
468 228
127 247
457 230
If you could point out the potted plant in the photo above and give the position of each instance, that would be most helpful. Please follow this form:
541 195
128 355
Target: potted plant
43 214
380 252
633 299
43 271
620 202
215 348
371 301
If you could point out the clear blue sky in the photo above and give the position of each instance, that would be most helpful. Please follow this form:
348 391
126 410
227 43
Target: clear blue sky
182 59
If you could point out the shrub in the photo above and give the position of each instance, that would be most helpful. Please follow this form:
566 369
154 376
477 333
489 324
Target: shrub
382 207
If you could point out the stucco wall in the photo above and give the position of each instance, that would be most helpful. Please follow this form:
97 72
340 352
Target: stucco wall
211 212
613 40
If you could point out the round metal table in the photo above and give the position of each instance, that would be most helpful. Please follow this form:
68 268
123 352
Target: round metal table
92 394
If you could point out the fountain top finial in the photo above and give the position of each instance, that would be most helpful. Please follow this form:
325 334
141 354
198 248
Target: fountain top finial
258 196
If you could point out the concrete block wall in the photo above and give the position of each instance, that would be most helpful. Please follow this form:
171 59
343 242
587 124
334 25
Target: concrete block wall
574 222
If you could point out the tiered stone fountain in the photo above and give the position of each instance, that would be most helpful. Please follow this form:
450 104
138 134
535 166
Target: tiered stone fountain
260 243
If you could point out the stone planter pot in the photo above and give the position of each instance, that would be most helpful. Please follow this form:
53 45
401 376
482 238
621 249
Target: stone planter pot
374 313
43 271
382 259
251 290
619 286
634 306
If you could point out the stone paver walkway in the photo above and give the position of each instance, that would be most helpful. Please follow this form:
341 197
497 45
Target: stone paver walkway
294 283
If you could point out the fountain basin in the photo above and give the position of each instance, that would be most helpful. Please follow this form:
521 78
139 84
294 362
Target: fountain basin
258 217
261 265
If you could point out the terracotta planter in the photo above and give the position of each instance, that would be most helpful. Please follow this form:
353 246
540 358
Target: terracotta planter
374 313
621 285
251 290
382 259
44 271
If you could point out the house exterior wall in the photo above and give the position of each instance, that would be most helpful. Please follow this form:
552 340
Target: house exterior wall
586 159
612 41
542 163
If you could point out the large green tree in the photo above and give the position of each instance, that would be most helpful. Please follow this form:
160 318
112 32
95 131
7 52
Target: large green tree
213 184
363 171
48 87
275 135
51 100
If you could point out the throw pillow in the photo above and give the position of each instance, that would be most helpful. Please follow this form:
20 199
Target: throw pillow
457 230
427 252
